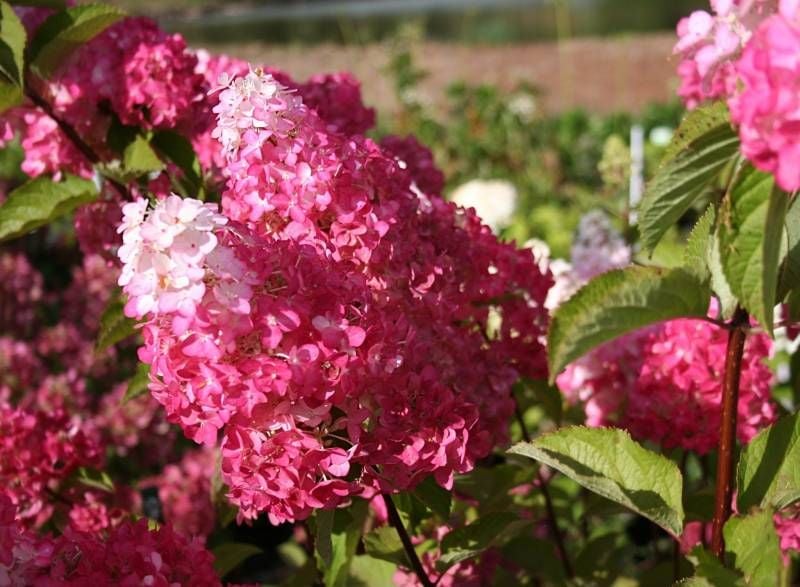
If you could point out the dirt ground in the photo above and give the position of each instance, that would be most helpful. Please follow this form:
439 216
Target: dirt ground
599 74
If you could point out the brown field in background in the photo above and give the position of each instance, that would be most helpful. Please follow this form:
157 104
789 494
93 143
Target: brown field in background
599 74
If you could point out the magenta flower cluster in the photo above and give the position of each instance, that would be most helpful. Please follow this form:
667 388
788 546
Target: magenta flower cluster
330 329
130 555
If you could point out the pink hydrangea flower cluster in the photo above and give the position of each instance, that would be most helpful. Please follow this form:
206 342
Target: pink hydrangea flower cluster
38 451
709 43
747 53
787 524
766 108
184 489
21 290
129 554
136 427
335 343
663 384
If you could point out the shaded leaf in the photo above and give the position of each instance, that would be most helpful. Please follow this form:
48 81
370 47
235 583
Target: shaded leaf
436 498
40 201
466 542
54 4
137 386
384 543
179 151
610 463
322 538
12 45
345 536
115 326
790 270
230 555
10 96
66 31
619 302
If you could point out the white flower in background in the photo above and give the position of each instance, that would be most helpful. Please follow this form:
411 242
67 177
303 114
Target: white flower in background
494 200
597 248
523 105
661 136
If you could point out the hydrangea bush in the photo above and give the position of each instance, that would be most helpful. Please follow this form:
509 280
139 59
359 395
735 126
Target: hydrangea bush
241 340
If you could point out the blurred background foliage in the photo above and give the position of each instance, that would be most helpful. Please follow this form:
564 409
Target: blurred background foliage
472 21
559 136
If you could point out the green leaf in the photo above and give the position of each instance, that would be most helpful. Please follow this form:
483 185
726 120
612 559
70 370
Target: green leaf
139 157
752 543
366 571
66 31
704 144
115 326
618 302
384 543
769 468
469 541
609 462
322 538
41 201
10 96
436 498
137 386
710 571
790 270
695 256
694 125
719 283
12 45
751 237
344 538
230 555
179 151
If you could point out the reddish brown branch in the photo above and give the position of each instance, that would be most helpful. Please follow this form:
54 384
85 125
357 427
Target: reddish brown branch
727 434
411 554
